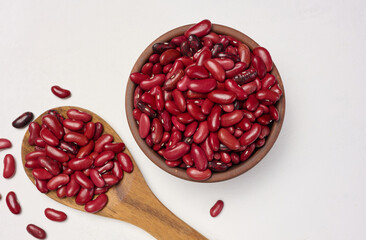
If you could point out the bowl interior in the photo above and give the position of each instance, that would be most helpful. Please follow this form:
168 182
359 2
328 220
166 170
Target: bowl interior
233 171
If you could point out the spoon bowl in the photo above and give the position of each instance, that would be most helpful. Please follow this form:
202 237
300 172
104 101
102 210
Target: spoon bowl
131 200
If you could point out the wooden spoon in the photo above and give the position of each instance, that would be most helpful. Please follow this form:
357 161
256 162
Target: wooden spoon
131 200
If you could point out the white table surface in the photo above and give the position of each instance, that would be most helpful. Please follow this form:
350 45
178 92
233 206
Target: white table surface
310 186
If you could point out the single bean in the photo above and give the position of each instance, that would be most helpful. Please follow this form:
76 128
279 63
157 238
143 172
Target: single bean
173 164
182 84
12 202
110 179
144 125
103 157
85 150
205 145
34 130
58 181
69 147
197 175
251 135
4 143
41 174
231 85
9 166
117 170
84 196
50 165
48 137
73 125
161 47
200 29
137 77
32 164
190 129
178 151
232 118
217 166
217 208
222 97
98 131
73 187
216 70
159 98
264 55
78 138
247 152
244 53
267 95
196 71
273 112
179 100
60 92
213 119
78 115
251 103
268 81
180 126
260 66
250 87
264 119
199 157
23 120
40 143
178 40
125 161
97 204
78 164
36 231
102 141
54 215
147 68
54 125
260 142
83 180
202 85
166 121
195 111
202 132
106 167
172 108
228 139
41 185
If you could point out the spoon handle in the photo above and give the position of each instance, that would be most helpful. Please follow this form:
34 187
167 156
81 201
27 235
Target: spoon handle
141 208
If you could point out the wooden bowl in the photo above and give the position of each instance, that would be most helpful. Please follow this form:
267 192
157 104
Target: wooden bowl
233 171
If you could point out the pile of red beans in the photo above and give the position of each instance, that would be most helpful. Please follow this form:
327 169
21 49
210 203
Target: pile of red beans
75 158
205 101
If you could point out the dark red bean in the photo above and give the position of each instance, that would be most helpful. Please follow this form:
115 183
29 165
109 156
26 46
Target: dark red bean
222 97
217 166
181 127
41 174
73 125
72 188
244 53
177 151
251 135
246 76
147 68
60 92
103 157
34 130
54 125
264 55
78 164
196 71
117 170
201 133
75 137
85 150
102 141
97 204
207 149
217 208
200 29
78 115
4 143
36 231
108 166
58 181
9 166
178 40
195 111
125 161
264 119
12 202
197 175
48 137
138 77
273 112
173 164
83 180
98 130
50 165
228 139
213 140
247 152
216 70
232 118
213 119
199 157
190 129
41 185
144 125
260 66
202 85
114 147
84 196
23 120
54 215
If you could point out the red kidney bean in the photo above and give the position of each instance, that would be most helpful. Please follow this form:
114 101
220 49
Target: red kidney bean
202 85
9 166
34 155
84 196
177 151
102 141
251 135
181 127
251 103
117 170
97 204
249 88
68 147
36 231
101 190
264 132
228 107
216 70
34 130
232 118
178 40
165 120
137 95
207 106
125 161
85 150
201 133
58 181
231 85
157 69
249 115
195 111
273 112
172 108
173 164
235 158
110 179
147 68
258 112
213 120
98 130
149 99
23 120
207 149
179 100
40 143
144 125
154 58
73 187
276 88
217 166
197 175
169 56
175 137
32 164
214 141
73 125
53 125
196 71
78 115
244 53
83 180
222 97
78 164
264 55
167 68
194 44
138 77
190 129
136 114
161 47
260 142
264 119
108 166
199 157
182 85
185 118
238 68
159 97
228 139
114 147
268 81
41 185
246 76
225 63
193 94
75 137
217 208
41 174
259 65
4 143
267 95
48 137
175 69
187 159
12 202
247 152
204 54
50 165
200 29
225 157
60 92
103 158
55 215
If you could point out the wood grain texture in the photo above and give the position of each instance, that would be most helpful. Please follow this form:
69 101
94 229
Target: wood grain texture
131 200
233 171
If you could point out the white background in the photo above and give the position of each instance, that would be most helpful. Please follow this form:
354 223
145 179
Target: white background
310 186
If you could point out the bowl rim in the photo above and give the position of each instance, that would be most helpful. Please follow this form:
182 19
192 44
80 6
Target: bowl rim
233 171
